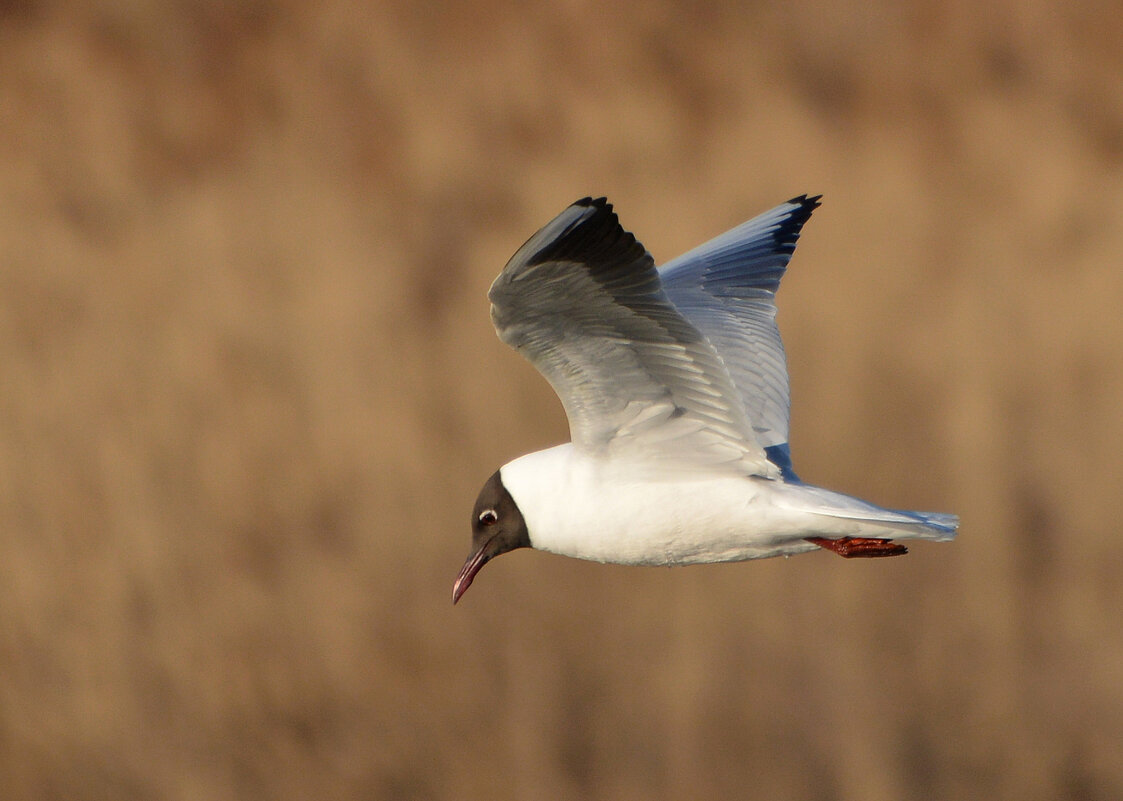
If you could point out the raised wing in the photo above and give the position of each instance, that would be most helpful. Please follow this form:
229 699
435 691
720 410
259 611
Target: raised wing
726 288
583 302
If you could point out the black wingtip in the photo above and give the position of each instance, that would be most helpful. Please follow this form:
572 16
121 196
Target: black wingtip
787 233
598 202
812 201
595 236
807 204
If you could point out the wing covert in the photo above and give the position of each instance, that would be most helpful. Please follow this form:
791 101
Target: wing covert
582 301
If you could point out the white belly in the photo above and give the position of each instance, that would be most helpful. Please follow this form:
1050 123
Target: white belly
585 508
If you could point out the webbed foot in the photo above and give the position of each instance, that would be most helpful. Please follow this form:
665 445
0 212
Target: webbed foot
867 547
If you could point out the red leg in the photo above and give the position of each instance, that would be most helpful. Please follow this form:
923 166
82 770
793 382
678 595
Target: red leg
851 547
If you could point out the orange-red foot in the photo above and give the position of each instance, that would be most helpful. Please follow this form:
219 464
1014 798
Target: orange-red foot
851 547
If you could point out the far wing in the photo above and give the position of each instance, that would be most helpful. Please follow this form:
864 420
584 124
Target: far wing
727 289
582 301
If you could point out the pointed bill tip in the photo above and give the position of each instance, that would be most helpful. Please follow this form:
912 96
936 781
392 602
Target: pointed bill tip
460 587
468 572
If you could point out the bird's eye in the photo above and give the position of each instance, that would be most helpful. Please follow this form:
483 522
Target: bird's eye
488 517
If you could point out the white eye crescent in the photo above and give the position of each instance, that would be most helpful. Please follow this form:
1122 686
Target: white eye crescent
488 517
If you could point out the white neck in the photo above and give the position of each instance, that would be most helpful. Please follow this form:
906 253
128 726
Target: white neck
539 482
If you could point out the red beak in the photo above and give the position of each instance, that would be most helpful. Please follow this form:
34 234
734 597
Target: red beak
468 572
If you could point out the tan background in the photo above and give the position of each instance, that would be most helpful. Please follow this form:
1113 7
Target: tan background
249 389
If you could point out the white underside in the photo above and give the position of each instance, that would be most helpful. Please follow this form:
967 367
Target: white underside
611 511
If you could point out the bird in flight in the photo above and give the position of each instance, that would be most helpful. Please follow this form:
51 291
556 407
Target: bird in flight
676 388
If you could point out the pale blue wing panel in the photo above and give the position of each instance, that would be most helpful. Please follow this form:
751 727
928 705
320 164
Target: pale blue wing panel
727 288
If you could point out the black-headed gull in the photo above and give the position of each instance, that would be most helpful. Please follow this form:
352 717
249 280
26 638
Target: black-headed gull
676 389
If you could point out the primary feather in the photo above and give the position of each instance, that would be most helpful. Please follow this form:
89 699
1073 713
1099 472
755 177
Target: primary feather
727 289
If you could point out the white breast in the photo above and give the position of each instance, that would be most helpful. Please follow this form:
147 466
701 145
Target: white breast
613 511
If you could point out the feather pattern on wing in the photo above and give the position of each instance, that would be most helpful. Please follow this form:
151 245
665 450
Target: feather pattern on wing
726 288
582 301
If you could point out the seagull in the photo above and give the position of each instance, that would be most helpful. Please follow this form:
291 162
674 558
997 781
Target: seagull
675 385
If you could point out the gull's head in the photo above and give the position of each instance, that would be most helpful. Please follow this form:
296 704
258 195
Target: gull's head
497 527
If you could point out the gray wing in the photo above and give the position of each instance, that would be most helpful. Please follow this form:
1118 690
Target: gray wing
582 301
727 289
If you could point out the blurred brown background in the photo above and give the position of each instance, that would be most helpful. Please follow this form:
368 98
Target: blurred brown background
249 389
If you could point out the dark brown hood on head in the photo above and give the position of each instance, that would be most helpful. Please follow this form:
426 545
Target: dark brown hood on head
497 527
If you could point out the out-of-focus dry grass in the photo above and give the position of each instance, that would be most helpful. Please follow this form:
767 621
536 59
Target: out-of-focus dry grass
248 390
